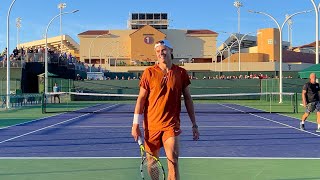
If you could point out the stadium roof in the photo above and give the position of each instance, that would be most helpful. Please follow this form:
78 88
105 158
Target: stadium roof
94 32
311 45
247 42
201 31
137 30
101 32
54 43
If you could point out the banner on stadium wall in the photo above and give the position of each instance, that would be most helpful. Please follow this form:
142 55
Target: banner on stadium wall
95 76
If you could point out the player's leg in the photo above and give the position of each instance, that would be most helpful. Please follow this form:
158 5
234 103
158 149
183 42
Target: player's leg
152 145
3 101
171 146
318 121
309 108
317 108
303 119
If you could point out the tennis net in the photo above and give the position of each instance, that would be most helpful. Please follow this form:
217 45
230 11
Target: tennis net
204 103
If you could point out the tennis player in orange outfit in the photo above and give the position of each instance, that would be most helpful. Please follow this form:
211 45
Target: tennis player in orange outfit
159 105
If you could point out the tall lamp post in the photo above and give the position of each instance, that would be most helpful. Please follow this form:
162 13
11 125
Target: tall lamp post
229 51
289 30
221 54
61 6
18 25
8 56
106 45
239 46
238 5
316 10
46 50
90 46
280 43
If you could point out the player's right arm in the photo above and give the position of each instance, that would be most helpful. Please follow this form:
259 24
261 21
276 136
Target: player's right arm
138 113
304 95
304 102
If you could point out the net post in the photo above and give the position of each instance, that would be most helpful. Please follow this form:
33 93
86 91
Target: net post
270 99
61 85
43 103
295 110
266 84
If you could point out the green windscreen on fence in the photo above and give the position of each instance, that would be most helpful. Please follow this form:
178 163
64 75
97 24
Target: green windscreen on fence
204 103
15 85
65 85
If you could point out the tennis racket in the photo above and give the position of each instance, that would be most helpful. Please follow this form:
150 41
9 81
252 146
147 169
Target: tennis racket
150 167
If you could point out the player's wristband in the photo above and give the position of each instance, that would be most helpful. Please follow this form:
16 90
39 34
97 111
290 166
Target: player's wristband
137 118
195 126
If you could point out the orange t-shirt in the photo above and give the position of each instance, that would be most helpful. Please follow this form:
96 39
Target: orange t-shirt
163 103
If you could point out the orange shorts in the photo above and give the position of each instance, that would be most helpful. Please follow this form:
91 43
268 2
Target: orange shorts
154 139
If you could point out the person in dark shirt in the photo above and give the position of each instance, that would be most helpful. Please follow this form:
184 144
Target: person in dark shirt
310 100
15 52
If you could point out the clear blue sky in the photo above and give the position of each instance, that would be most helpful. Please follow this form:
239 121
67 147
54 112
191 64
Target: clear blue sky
216 15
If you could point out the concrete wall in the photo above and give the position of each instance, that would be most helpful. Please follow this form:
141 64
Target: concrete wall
225 66
247 57
293 67
116 45
188 46
250 50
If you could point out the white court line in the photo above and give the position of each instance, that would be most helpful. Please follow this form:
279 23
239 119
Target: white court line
25 134
272 120
43 118
138 157
277 113
263 127
296 118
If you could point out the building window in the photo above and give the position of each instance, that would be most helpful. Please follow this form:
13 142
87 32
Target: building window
142 16
270 41
149 16
164 16
156 16
134 16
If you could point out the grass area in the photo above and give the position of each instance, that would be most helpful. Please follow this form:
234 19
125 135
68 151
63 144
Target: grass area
70 106
190 169
77 105
20 115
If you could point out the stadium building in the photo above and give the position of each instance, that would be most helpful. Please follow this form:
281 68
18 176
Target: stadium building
131 50
116 49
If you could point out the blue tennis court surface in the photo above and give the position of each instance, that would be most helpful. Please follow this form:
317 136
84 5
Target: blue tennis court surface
229 133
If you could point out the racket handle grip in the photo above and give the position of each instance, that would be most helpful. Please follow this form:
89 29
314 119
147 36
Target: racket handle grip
139 141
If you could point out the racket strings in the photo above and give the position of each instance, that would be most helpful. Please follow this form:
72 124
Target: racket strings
151 169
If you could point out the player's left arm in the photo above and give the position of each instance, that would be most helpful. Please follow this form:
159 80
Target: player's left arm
190 109
318 90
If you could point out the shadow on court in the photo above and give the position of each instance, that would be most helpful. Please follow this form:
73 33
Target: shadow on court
66 171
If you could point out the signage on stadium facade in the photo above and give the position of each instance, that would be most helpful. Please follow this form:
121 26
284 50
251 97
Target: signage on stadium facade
148 40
